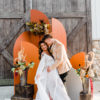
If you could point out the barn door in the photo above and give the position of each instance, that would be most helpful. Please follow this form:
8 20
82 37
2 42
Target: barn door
12 19
76 18
74 14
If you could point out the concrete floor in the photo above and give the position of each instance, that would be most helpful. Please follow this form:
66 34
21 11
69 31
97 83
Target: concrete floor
7 91
96 90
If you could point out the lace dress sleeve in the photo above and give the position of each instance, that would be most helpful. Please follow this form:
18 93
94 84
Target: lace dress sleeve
41 64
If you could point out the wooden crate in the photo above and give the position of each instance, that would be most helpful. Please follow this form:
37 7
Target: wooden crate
24 91
20 98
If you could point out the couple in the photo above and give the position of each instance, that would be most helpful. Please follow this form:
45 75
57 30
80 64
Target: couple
53 67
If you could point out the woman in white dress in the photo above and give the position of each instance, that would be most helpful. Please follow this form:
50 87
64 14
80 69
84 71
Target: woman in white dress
50 86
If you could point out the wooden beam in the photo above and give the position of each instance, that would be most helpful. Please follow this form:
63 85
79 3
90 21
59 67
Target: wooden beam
89 25
10 15
74 32
7 57
5 42
6 82
66 15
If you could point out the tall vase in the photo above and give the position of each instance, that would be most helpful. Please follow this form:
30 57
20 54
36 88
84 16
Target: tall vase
23 78
85 83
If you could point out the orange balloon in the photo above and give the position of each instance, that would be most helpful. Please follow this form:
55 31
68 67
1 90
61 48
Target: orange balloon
78 60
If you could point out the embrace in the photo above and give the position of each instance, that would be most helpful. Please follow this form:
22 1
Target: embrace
52 70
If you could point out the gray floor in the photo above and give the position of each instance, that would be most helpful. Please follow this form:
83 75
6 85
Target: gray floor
96 90
7 91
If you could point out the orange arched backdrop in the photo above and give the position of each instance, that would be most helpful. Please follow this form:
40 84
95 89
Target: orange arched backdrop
59 32
29 42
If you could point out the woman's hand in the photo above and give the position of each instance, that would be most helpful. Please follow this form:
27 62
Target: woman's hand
38 76
49 69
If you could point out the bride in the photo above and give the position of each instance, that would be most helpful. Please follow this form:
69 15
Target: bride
50 86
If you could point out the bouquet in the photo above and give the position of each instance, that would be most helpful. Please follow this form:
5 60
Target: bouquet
39 28
21 64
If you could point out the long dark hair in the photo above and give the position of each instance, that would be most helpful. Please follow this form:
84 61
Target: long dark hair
40 49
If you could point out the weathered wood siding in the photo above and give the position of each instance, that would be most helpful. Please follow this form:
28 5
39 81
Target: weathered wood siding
74 14
11 12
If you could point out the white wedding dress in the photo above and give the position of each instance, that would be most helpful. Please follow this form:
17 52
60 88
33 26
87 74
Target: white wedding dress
49 83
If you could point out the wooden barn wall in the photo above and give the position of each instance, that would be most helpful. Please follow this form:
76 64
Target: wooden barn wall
74 14
11 12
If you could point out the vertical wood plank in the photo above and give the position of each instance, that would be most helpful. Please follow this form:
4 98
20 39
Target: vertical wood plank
1 28
89 25
49 6
82 39
6 6
68 6
54 5
1 6
81 5
41 5
21 6
1 67
74 5
62 6
34 4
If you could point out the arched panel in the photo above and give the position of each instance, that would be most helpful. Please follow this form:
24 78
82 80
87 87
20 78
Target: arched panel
17 46
31 52
58 31
36 15
25 36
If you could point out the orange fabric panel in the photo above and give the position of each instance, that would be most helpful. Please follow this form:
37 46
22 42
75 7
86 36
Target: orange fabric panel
35 39
31 52
25 36
59 32
17 46
30 43
78 60
36 15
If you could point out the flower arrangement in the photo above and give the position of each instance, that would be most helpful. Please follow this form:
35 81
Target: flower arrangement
87 71
21 64
39 28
